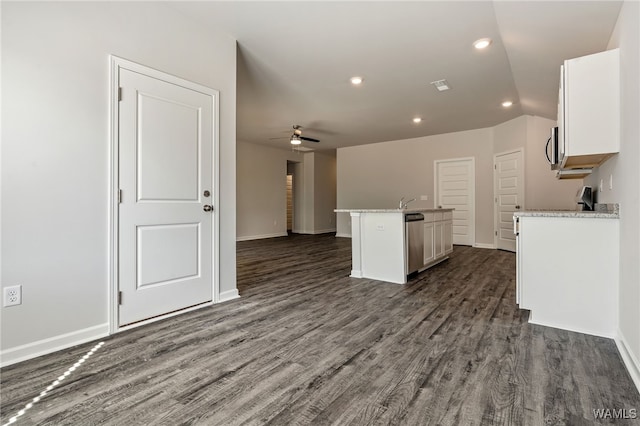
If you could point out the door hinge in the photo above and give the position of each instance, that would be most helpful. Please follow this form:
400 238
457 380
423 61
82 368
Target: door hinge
119 298
496 232
119 94
119 196
495 167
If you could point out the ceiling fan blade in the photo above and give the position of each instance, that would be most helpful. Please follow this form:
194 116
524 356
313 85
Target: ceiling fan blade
282 137
304 138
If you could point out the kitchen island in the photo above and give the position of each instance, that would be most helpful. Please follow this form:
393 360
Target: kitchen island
382 242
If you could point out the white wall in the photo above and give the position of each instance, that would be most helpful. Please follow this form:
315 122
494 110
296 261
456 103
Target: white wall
56 147
261 175
262 196
324 193
626 182
377 175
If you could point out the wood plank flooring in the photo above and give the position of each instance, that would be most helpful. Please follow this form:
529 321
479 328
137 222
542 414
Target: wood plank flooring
306 344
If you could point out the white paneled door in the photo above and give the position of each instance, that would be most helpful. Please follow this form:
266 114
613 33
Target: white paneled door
165 213
455 188
509 196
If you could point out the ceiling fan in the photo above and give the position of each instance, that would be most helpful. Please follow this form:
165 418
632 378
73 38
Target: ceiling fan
297 138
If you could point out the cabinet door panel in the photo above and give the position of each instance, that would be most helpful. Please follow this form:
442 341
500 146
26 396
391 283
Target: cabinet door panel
439 243
429 243
448 236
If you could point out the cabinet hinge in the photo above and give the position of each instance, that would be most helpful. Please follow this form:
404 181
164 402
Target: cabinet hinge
119 298
119 94
119 196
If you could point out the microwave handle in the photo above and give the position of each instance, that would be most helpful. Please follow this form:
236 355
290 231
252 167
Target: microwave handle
546 150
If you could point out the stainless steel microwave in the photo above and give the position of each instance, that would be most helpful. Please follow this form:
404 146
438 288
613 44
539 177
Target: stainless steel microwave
552 150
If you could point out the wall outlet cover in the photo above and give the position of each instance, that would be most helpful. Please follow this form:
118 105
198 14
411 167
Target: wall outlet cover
12 295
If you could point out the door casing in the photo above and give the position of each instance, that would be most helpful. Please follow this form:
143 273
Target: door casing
116 63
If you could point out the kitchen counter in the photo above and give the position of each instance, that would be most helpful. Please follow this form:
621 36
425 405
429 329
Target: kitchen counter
567 269
391 210
610 211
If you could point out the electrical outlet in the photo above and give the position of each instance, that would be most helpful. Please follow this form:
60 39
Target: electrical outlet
12 295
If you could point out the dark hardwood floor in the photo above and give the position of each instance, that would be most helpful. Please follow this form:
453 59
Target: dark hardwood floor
306 344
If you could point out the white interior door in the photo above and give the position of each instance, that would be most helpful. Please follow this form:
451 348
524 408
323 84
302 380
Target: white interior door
455 188
165 143
509 196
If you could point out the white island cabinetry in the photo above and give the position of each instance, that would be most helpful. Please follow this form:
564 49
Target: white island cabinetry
438 236
380 242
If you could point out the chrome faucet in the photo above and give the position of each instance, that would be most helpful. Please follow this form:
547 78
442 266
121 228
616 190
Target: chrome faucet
403 204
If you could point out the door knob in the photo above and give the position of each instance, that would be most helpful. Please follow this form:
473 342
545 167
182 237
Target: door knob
207 208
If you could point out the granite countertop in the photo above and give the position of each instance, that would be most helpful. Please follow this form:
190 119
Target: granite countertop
391 210
603 211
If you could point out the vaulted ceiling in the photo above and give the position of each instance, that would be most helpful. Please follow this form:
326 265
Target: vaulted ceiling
295 60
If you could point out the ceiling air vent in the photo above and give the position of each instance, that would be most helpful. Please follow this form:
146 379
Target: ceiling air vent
441 85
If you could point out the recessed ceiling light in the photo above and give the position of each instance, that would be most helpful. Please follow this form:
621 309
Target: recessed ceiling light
441 85
417 119
356 80
482 43
507 104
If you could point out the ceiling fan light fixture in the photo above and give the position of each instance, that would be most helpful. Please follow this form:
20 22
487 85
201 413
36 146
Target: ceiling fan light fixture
295 140
356 80
507 104
482 43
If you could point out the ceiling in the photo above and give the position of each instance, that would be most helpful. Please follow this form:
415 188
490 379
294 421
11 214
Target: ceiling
295 59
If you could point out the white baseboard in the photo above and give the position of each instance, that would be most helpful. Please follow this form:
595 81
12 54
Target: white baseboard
484 246
324 231
52 344
321 231
228 295
630 361
260 237
341 235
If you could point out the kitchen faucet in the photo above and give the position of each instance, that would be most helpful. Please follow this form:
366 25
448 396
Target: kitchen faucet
403 204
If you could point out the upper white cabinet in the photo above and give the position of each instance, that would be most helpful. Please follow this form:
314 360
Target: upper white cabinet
589 110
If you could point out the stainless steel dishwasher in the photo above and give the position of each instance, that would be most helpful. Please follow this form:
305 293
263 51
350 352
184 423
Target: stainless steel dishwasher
414 231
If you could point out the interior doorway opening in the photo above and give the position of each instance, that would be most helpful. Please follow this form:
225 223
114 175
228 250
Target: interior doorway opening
289 203
292 188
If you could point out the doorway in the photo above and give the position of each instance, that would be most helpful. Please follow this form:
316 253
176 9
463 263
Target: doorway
164 224
508 189
455 188
289 203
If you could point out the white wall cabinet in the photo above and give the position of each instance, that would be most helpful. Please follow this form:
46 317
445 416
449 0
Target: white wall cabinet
589 109
567 272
